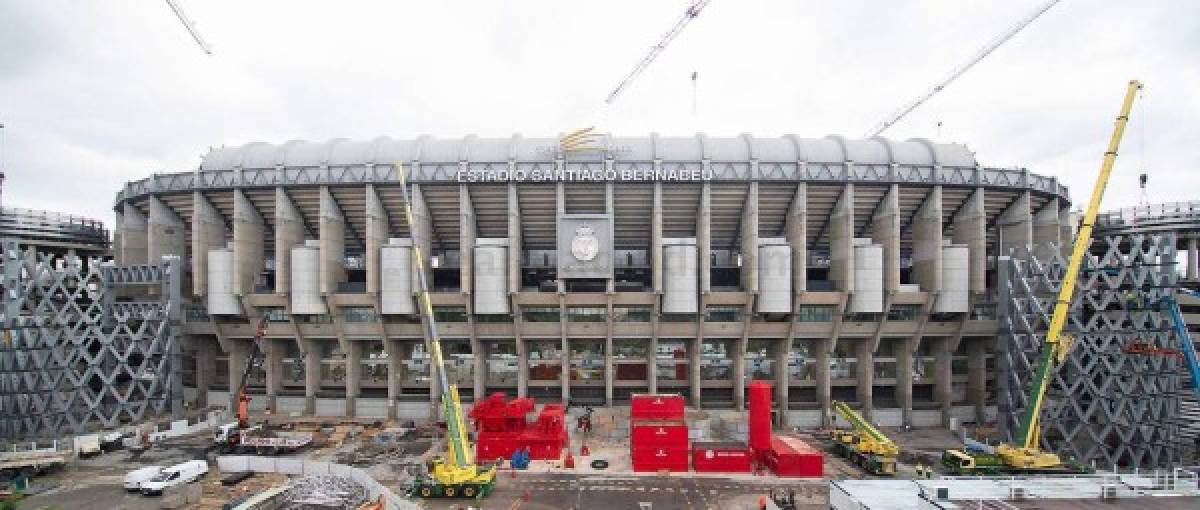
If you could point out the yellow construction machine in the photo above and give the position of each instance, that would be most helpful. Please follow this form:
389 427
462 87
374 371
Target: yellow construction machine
455 474
1025 455
865 446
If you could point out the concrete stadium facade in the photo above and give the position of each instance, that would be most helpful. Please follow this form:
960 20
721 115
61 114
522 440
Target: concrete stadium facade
854 270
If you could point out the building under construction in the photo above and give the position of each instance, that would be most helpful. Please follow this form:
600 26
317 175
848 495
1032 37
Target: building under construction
587 272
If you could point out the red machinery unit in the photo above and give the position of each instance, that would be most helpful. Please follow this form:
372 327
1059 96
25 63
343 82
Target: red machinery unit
657 459
789 456
760 417
721 457
671 434
656 407
502 427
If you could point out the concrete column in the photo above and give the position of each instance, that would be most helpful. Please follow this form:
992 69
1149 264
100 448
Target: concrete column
165 232
927 243
353 375
514 243
739 373
208 233
1193 259
466 241
422 234
134 237
312 374
977 376
652 364
395 360
479 356
118 221
1016 225
885 231
565 376
1066 231
782 348
823 380
694 370
609 372
943 380
841 241
333 243
970 228
704 238
865 371
273 367
248 231
560 207
656 238
289 233
376 237
522 368
904 378
749 237
206 367
239 350
796 231
1046 228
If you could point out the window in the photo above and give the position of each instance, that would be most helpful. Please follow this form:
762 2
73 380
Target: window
195 313
815 313
631 313
723 313
586 314
983 312
677 317
315 319
903 312
450 313
503 318
275 314
358 314
630 348
540 314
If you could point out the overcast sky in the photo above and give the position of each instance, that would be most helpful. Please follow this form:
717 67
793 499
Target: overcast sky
94 94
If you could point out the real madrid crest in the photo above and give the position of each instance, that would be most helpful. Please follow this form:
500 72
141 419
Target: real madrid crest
585 246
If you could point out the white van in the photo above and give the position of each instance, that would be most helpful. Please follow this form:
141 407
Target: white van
187 472
133 480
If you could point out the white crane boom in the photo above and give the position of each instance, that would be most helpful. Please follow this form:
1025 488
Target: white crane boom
688 15
983 52
190 26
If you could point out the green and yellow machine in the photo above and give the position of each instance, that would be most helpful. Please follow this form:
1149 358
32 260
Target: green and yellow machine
455 474
1025 456
865 446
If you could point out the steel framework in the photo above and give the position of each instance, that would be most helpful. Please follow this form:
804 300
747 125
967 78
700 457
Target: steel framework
1104 405
86 344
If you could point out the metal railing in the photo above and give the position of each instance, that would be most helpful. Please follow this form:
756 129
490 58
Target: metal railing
1166 210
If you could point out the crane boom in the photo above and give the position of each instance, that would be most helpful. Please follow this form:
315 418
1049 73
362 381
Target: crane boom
1185 338
983 52
879 443
692 11
1056 344
190 26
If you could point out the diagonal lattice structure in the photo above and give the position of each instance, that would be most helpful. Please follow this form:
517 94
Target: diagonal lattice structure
1105 404
86 346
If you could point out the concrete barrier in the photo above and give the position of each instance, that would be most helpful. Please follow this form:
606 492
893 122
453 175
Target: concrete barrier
302 467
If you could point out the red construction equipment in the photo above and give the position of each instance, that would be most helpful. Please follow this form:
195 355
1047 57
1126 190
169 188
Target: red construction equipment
789 456
671 434
502 427
658 435
656 407
659 459
721 457
760 417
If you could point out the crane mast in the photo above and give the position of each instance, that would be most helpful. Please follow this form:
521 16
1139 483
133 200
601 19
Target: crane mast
983 52
1057 345
688 15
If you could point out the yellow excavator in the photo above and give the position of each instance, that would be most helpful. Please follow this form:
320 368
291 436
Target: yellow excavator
455 474
1025 455
865 446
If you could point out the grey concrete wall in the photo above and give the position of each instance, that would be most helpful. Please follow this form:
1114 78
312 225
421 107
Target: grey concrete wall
134 237
1016 225
927 242
248 234
376 236
841 241
333 243
885 231
208 233
289 233
749 241
970 228
166 232
796 231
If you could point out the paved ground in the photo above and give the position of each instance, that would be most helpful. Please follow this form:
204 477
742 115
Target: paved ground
584 492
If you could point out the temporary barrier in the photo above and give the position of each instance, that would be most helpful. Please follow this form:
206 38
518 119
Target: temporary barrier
659 434
656 407
721 457
656 459
789 456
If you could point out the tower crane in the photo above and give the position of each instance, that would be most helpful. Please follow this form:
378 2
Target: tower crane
690 14
1025 455
455 474
983 52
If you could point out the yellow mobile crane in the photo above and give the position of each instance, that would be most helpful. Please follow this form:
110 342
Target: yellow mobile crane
866 446
455 474
1025 456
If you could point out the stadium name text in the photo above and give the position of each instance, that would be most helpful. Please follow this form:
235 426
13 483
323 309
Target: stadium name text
584 175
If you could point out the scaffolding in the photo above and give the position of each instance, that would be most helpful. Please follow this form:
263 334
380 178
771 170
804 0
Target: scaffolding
86 344
1108 404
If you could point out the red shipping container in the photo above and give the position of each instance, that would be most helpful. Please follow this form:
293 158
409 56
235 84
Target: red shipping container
492 446
659 434
721 457
656 407
656 459
790 456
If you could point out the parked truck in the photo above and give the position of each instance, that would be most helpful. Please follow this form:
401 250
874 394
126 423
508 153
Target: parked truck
257 439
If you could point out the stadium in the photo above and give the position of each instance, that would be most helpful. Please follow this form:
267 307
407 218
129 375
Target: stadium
838 269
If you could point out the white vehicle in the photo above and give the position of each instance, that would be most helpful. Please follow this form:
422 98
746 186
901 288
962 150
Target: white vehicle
87 446
134 479
178 474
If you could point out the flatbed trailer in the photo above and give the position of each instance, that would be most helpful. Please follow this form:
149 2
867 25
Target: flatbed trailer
31 462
